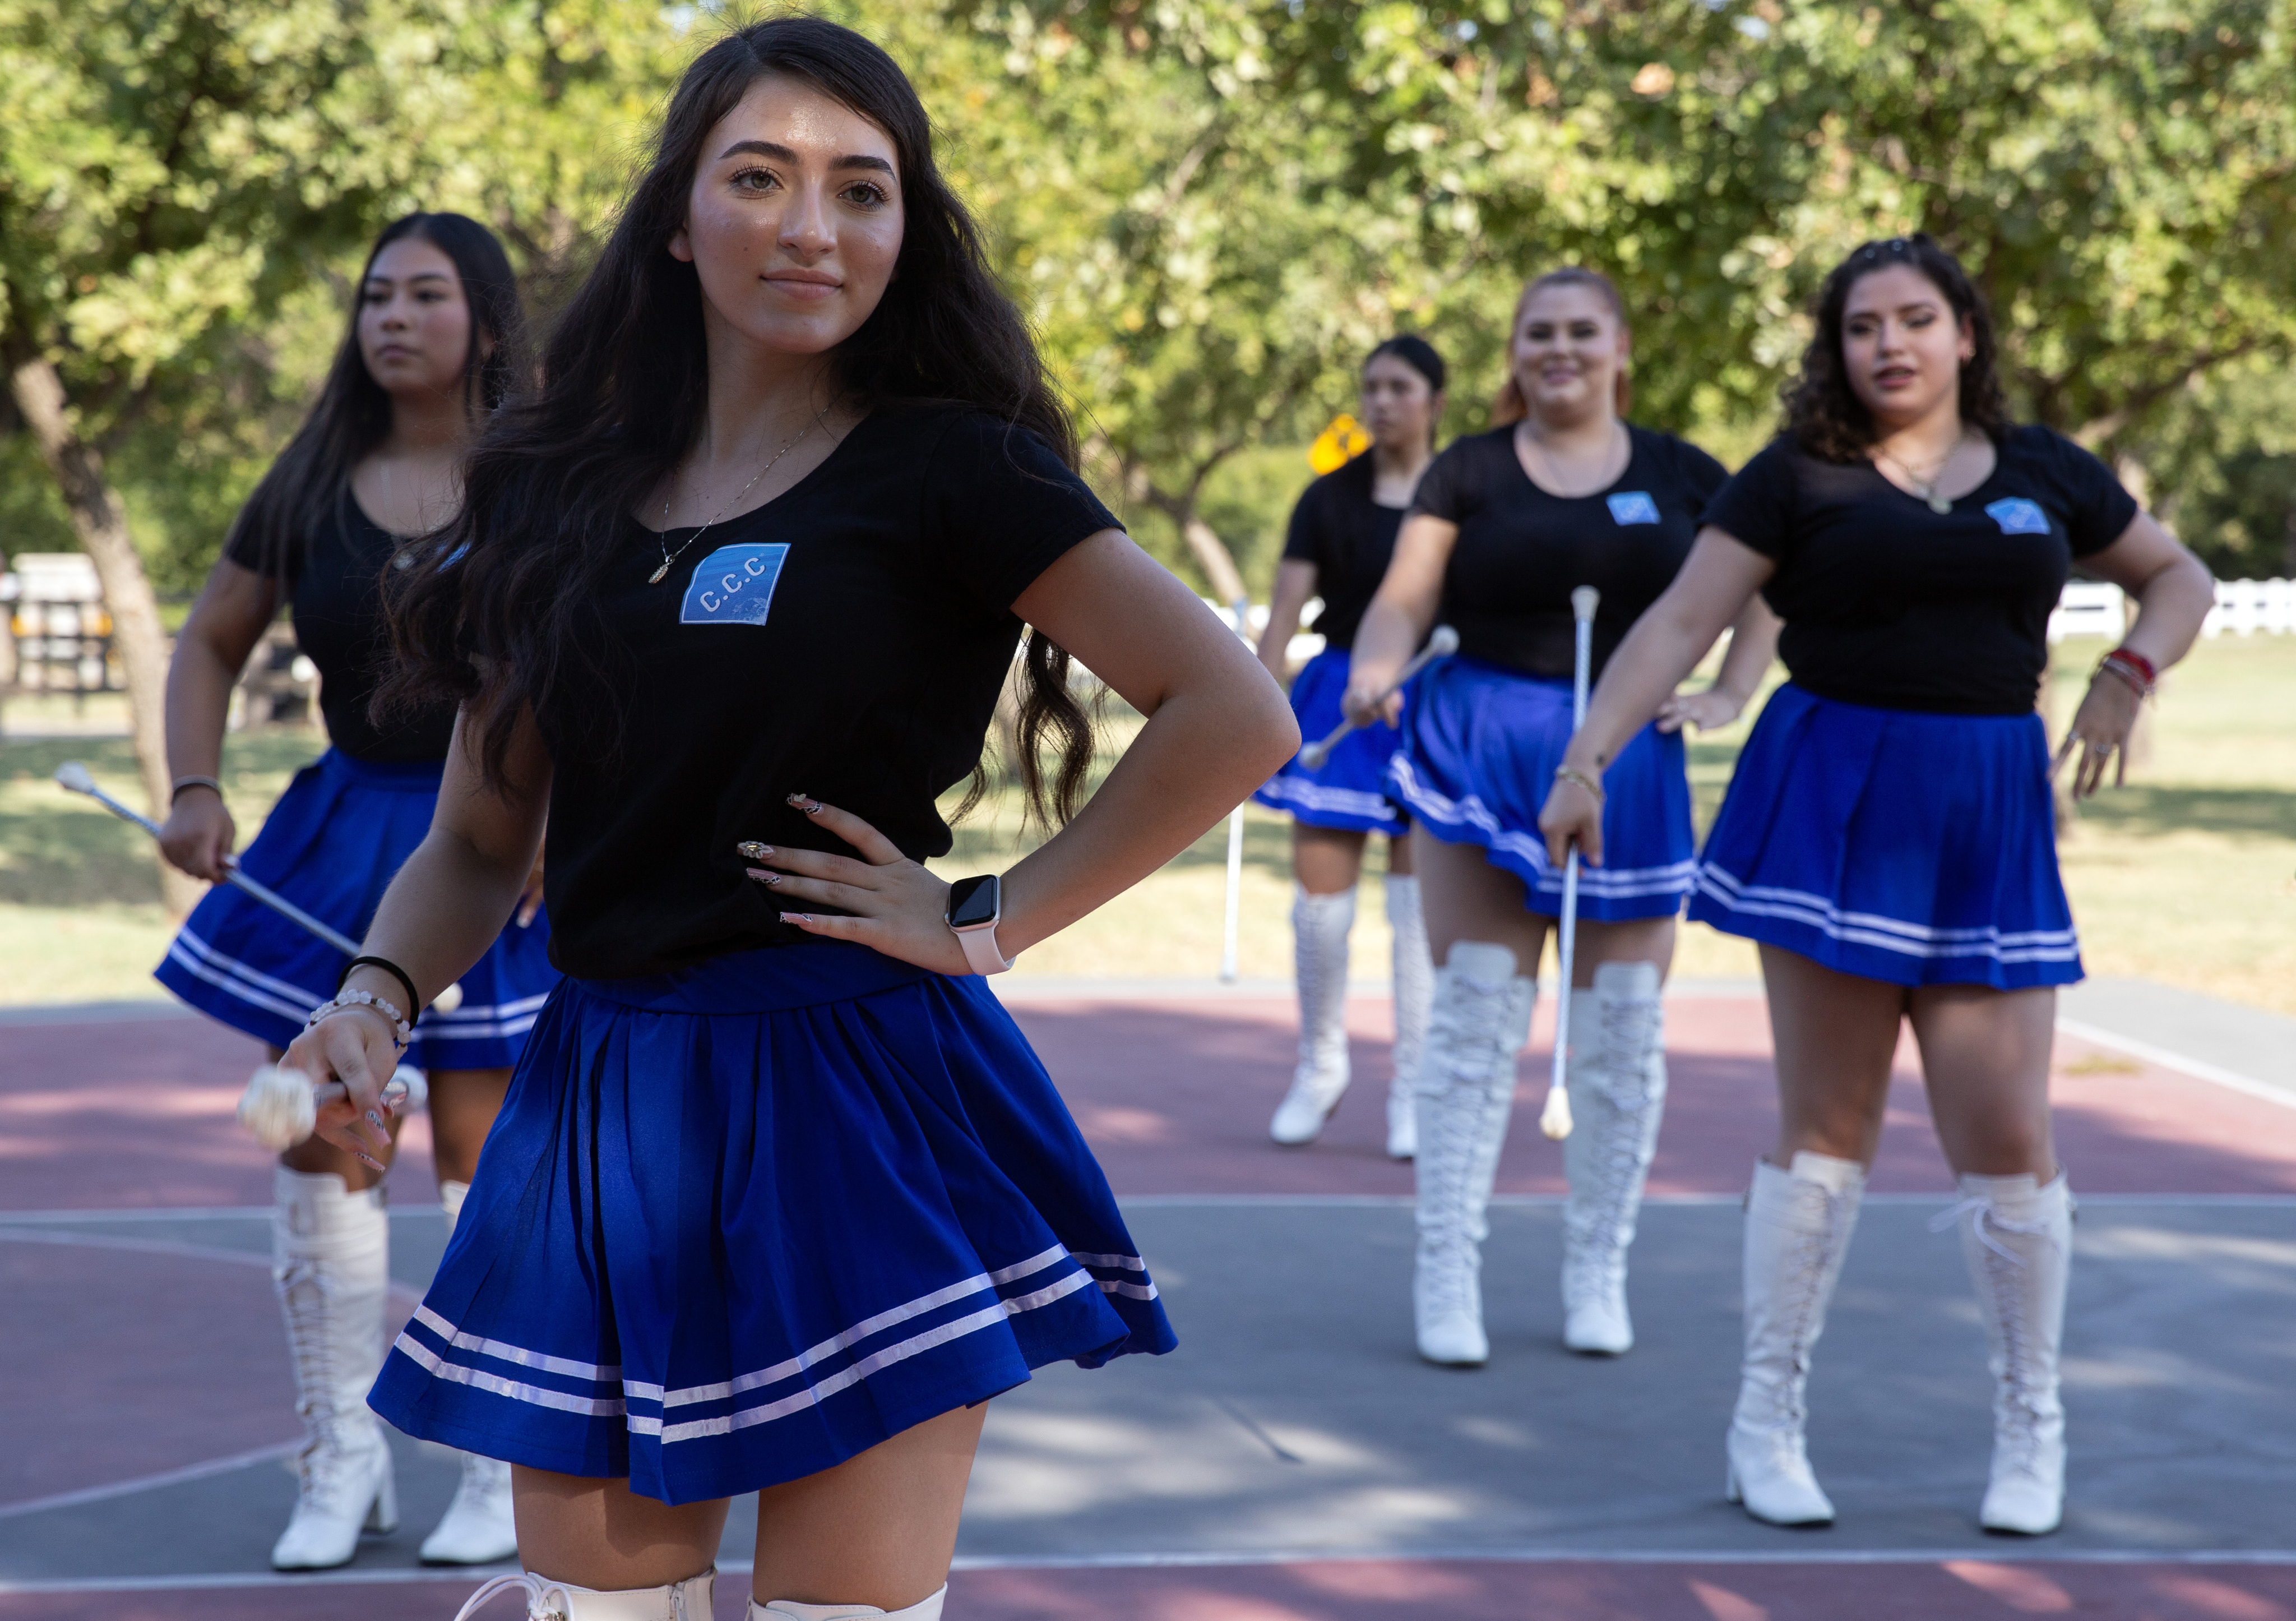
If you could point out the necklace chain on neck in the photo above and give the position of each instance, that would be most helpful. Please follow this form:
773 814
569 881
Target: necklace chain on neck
668 556
1926 485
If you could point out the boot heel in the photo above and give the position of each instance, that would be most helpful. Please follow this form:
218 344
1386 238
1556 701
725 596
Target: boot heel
1730 1492
382 1514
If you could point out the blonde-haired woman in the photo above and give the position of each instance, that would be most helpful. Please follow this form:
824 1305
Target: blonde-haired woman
1504 526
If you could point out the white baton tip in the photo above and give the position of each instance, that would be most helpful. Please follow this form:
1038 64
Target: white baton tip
448 999
75 777
1313 755
278 1108
1583 602
1444 642
1554 1119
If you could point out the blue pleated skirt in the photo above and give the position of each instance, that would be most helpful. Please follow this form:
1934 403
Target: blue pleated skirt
1349 789
737 1223
1478 753
331 846
1918 849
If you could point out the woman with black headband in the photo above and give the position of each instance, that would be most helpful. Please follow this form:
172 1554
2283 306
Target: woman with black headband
1342 536
1889 837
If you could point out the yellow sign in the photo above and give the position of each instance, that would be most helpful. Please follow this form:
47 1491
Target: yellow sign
1336 446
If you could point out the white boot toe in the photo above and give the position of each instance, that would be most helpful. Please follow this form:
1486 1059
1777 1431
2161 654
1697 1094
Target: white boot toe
1770 1476
478 1527
345 1489
1599 1327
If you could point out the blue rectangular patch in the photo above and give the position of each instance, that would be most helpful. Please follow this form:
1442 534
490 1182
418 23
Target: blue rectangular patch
2018 516
734 585
1632 506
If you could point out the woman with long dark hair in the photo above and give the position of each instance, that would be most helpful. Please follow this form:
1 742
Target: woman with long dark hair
1341 538
1889 837
1561 493
435 343
780 1197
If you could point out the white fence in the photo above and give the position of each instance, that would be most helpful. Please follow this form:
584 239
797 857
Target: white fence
2243 608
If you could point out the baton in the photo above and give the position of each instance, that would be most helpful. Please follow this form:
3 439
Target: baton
280 1106
74 778
1554 1119
1441 645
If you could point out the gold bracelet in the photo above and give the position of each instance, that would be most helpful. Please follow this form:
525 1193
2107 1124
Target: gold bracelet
1572 774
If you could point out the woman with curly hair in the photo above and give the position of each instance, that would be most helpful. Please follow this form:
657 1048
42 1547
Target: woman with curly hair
780 1197
1887 840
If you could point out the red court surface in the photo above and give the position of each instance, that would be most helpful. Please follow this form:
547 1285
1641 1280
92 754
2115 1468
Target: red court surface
1174 1094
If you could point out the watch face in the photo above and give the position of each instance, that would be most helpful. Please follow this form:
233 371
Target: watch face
973 903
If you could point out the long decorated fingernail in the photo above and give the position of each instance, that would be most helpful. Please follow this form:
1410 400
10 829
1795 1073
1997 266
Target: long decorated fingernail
371 1160
769 879
752 849
375 1120
797 918
804 803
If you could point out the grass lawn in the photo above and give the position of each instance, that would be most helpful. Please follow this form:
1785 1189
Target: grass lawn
2187 876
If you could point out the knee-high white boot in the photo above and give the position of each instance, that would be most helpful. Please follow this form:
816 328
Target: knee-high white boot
549 1600
790 1609
1319 934
330 1265
1414 999
1616 1077
478 1527
1482 1019
2019 1243
1797 1228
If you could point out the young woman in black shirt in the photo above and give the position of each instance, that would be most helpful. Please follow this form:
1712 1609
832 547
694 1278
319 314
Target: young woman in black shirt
1343 535
780 1197
1503 527
1889 836
434 343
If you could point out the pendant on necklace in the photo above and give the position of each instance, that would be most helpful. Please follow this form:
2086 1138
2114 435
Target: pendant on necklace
1938 504
655 578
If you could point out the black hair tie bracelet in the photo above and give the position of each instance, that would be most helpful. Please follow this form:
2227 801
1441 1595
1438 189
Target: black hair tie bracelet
414 1000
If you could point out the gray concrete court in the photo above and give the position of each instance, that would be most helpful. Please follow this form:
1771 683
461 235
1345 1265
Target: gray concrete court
1295 1418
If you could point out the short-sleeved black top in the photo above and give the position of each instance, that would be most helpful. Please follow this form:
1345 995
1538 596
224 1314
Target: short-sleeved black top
1891 605
1520 551
847 640
335 588
1349 537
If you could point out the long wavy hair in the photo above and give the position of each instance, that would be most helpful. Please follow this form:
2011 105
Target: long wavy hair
552 482
1823 413
1510 407
352 415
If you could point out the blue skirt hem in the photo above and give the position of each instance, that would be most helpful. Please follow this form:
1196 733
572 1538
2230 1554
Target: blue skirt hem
1348 790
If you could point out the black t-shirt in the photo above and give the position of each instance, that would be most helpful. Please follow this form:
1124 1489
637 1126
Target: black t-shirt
1520 551
1349 537
334 585
1891 605
847 640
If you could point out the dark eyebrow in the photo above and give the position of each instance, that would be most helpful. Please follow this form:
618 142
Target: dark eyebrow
783 154
420 275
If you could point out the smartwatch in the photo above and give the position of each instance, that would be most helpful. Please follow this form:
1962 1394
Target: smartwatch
974 906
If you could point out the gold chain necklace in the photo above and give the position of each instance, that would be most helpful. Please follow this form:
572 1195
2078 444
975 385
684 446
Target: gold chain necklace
668 556
1927 488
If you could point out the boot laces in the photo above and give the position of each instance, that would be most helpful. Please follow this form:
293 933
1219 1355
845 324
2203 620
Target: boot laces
1814 1243
548 1600
1623 1089
2020 1408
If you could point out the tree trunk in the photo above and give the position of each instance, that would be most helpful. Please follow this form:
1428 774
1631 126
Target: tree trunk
101 524
1212 555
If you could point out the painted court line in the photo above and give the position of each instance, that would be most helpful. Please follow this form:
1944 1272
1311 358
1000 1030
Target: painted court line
2200 1069
148 1483
233 1580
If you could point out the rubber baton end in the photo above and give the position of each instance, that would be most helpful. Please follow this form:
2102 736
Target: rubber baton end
75 777
1583 602
448 999
278 1108
1445 642
408 1089
1313 755
1554 1119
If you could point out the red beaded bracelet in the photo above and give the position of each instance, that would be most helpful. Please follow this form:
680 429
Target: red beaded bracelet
2133 667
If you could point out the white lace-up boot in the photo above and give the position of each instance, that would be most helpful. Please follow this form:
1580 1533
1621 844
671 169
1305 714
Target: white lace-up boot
1797 1228
1414 998
330 1265
2019 1243
790 1609
1319 934
478 1527
548 1600
1617 1078
1480 1020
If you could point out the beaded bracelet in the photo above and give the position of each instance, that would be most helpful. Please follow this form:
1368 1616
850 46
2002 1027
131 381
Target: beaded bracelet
175 791
1591 785
400 1030
2133 669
